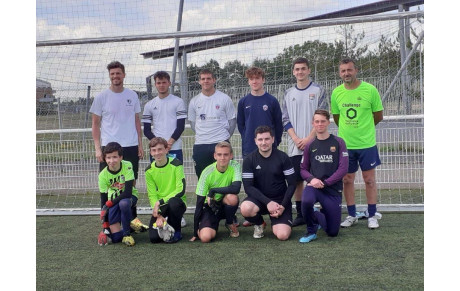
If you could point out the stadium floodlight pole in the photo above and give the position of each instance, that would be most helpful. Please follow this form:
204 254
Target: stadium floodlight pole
404 65
176 48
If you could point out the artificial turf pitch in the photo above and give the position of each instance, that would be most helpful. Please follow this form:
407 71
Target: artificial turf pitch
389 258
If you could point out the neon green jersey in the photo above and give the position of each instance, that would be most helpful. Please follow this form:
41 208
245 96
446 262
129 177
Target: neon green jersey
165 182
212 178
356 108
114 183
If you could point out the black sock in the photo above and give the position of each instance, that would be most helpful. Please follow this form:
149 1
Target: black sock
230 211
298 207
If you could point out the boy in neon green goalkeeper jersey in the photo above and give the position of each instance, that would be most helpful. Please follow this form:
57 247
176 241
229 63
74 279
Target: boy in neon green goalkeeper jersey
217 195
165 181
117 192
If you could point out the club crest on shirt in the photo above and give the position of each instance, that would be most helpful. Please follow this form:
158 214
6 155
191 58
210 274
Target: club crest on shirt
312 96
129 101
333 149
217 106
265 107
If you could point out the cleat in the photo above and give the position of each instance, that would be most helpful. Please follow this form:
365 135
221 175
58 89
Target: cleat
298 221
308 238
128 240
259 230
175 238
138 226
372 222
183 223
247 223
378 215
361 214
349 221
233 230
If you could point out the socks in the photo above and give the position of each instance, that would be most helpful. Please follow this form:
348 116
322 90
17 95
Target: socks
230 211
298 207
371 208
351 210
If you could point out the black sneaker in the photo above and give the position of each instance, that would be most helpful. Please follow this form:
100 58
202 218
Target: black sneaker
298 221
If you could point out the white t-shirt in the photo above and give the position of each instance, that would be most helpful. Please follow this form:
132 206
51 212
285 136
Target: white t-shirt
211 115
117 112
163 113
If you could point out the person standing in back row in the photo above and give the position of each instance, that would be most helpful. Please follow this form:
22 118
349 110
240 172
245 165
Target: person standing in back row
212 117
357 108
256 109
300 103
115 118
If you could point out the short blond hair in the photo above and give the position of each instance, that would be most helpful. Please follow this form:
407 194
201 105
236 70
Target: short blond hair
224 144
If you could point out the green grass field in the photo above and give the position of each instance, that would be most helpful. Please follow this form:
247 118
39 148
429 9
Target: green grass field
389 258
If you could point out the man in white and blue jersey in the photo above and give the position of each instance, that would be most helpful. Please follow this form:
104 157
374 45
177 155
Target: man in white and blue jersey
167 114
300 103
213 119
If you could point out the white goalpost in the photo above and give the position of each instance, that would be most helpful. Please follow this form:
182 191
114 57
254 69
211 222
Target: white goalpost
71 61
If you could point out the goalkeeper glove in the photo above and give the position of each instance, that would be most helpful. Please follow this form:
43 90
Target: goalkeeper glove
215 206
105 209
102 238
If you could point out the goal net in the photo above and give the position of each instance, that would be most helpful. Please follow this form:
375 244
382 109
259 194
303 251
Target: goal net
76 42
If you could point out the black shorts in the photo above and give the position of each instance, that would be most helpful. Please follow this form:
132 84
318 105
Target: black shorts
296 160
203 156
209 219
129 154
285 218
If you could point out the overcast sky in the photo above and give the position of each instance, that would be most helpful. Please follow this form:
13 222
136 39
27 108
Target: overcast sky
84 65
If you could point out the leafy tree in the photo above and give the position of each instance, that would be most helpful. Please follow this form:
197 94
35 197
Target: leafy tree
233 74
351 42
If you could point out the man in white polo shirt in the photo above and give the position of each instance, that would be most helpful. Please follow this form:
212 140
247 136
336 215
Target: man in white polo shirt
213 119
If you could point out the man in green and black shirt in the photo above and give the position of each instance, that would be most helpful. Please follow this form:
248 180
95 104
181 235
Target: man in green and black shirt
217 195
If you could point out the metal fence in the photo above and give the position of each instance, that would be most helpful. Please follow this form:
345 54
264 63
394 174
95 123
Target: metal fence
67 169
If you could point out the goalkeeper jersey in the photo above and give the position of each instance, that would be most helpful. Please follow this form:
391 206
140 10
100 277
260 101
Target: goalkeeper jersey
212 178
113 183
356 108
165 182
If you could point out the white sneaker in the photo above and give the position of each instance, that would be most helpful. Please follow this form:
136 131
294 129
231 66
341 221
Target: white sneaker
378 215
259 230
373 222
183 223
349 221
